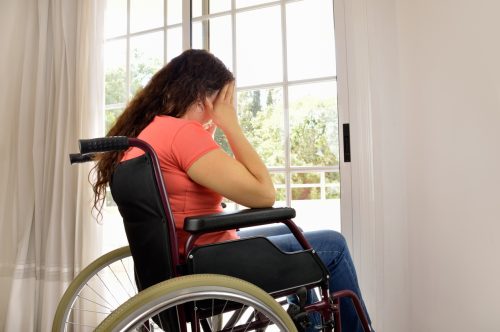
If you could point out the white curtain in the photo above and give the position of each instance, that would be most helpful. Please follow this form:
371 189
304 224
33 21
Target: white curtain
50 96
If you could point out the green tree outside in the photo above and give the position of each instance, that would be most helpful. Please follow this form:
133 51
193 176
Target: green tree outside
141 70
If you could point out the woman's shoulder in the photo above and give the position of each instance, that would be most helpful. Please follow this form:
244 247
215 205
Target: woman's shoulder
175 124
174 130
179 140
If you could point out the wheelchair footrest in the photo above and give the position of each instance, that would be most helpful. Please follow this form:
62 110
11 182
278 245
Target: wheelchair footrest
299 317
297 312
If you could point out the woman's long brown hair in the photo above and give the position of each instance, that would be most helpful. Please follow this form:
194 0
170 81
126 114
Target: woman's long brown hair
186 79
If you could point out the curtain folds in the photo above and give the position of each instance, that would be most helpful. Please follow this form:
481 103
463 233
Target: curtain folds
51 94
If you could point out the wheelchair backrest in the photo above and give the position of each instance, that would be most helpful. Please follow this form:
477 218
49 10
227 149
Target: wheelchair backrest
136 192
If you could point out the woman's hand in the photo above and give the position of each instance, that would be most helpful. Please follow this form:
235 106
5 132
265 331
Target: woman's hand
222 110
243 179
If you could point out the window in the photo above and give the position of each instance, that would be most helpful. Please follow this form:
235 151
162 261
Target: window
283 56
141 35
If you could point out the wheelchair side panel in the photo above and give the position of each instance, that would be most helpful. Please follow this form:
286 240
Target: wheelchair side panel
260 262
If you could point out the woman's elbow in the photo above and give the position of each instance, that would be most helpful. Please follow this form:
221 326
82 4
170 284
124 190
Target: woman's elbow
271 197
267 198
264 197
260 200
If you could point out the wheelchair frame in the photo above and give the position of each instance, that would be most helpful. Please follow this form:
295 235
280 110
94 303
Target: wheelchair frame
329 304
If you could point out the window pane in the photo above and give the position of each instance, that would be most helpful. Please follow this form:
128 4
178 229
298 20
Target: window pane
306 178
259 46
111 116
221 43
174 43
115 74
197 35
145 14
174 12
222 141
310 39
248 3
332 180
306 186
230 205
146 58
332 177
316 201
333 192
261 117
305 193
314 124
280 186
115 21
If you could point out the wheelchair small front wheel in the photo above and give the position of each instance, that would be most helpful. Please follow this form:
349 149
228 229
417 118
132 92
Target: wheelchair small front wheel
213 302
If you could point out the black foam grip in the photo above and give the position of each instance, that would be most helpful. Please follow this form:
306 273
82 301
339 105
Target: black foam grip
76 158
237 219
104 144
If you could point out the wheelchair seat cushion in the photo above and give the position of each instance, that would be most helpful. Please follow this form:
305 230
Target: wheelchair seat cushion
258 261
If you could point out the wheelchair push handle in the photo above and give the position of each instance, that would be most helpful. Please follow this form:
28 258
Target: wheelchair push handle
104 144
78 158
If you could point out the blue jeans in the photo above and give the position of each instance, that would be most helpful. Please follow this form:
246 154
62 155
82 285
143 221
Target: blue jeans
332 250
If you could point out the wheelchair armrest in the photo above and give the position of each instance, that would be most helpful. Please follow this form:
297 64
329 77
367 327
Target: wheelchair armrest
236 219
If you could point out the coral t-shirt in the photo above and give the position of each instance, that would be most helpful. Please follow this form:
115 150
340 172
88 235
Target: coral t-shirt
178 144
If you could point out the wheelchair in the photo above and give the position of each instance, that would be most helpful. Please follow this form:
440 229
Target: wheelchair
238 285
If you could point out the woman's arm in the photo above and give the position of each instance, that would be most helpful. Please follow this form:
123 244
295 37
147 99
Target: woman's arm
243 179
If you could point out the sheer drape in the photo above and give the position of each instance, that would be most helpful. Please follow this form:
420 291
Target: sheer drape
50 96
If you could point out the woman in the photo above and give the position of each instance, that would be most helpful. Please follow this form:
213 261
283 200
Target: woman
177 113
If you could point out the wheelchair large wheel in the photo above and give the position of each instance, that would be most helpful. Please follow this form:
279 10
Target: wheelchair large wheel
96 291
234 304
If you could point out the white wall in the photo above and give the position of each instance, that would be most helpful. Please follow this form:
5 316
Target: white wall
450 82
389 159
380 228
424 99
